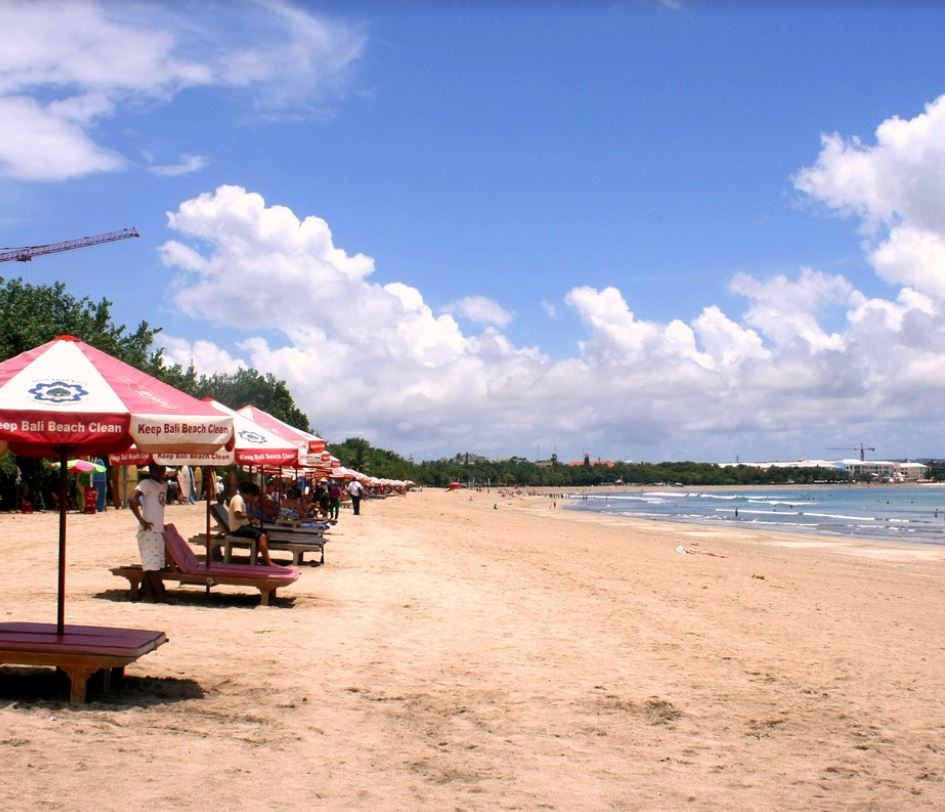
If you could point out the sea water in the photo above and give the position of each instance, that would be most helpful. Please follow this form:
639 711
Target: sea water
895 512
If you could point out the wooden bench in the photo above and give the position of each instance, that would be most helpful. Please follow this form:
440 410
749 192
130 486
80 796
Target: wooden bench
297 538
297 546
79 652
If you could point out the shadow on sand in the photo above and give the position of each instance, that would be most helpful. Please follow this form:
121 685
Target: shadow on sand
37 687
202 598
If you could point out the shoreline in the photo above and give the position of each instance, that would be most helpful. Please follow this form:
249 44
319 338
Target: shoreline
933 549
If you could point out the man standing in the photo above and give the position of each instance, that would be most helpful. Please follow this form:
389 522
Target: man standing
147 503
354 489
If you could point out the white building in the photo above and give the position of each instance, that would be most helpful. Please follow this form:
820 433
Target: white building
879 470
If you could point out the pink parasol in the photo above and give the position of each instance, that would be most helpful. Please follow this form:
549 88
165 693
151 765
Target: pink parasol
81 466
66 397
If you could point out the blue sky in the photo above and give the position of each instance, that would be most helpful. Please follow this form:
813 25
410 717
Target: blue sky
647 230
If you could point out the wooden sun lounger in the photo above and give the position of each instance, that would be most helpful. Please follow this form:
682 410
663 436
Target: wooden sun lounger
296 540
306 527
80 651
187 569
297 546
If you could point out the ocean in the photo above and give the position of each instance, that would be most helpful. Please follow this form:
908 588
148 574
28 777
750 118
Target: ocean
883 513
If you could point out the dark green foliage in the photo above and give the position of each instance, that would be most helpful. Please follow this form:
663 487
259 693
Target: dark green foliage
249 386
359 454
31 315
518 472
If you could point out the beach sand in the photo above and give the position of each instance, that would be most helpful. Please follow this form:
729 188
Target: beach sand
477 651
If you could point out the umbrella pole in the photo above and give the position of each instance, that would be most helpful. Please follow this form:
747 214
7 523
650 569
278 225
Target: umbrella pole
207 477
63 503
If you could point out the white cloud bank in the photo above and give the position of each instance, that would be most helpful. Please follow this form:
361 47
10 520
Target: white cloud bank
362 357
68 65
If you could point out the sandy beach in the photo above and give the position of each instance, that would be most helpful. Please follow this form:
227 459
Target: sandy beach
478 651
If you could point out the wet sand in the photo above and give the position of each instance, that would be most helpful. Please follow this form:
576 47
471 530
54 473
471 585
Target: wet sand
477 651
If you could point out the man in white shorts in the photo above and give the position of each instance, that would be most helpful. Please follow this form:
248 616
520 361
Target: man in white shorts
147 504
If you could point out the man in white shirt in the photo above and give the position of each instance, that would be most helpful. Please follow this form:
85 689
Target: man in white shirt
355 489
147 503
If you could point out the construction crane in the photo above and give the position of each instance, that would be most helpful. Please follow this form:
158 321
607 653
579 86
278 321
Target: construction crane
30 251
861 448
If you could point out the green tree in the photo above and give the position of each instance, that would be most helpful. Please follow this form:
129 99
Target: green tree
31 315
250 386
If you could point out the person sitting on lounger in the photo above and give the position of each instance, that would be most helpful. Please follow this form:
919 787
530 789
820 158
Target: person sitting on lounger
238 512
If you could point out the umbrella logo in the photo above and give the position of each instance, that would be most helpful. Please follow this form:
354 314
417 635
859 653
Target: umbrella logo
58 392
252 437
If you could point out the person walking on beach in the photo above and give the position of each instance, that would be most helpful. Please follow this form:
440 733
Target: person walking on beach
354 489
240 525
147 503
321 498
334 500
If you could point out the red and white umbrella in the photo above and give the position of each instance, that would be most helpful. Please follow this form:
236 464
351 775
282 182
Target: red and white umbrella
66 397
67 394
255 444
311 443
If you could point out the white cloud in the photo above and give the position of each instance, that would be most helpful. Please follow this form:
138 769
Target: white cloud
44 146
205 356
67 65
895 188
374 359
188 164
787 310
479 309
550 310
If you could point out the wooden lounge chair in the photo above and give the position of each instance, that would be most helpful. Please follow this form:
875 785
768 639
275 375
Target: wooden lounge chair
80 651
296 540
186 568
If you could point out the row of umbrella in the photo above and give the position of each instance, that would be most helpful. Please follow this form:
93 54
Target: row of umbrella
67 398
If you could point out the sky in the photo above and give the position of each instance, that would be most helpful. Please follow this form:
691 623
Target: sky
641 230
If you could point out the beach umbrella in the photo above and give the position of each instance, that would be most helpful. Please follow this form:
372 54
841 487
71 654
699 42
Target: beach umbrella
254 444
67 397
311 443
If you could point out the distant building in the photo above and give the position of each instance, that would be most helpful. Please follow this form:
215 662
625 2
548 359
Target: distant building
881 470
791 464
885 470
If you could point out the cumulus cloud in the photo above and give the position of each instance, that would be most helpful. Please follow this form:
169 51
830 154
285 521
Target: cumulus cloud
894 188
374 359
67 65
479 309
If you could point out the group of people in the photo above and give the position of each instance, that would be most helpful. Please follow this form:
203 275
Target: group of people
248 509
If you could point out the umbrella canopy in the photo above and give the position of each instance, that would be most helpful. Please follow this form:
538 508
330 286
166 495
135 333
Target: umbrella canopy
81 466
311 443
257 445
67 396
